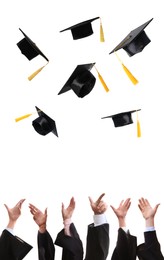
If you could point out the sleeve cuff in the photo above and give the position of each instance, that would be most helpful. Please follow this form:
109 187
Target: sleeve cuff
99 219
10 230
149 229
126 230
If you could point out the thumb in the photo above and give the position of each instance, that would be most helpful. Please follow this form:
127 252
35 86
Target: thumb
156 207
6 207
90 200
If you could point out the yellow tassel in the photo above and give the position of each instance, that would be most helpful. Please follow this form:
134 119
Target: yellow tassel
35 73
103 82
138 129
102 39
22 117
129 74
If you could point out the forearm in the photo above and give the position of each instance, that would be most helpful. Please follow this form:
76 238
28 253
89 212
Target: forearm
11 224
122 222
67 223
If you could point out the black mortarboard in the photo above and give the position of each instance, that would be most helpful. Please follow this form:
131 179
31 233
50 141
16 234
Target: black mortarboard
44 124
122 119
135 41
81 80
81 30
29 48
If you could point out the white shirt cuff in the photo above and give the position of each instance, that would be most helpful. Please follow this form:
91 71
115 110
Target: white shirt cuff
149 229
10 230
99 219
125 229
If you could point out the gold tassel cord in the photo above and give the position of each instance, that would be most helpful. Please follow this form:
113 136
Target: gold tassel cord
35 73
127 71
138 127
129 74
25 116
102 81
102 39
22 117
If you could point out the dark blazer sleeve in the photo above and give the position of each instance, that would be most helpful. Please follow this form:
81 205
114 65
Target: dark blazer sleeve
151 249
72 247
46 248
126 246
97 242
12 247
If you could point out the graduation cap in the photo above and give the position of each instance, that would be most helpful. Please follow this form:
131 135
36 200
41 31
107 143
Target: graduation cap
81 81
84 29
125 118
135 41
30 50
43 124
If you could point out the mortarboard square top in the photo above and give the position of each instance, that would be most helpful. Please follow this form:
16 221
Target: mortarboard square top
81 80
29 48
135 41
81 30
122 119
43 125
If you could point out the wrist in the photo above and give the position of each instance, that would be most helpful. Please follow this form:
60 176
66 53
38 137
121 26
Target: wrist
122 222
11 224
67 221
42 228
149 222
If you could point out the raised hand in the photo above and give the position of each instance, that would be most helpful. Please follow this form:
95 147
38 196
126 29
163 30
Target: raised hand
98 206
67 212
39 217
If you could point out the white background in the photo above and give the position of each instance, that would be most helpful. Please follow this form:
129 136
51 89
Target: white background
90 156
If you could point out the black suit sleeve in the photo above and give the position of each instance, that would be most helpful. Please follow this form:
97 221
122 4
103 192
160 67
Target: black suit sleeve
126 246
97 243
72 248
46 248
13 247
151 249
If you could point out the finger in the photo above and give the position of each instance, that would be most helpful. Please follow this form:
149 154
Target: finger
90 200
127 203
72 202
156 207
62 207
19 204
113 208
31 206
101 203
101 196
6 207
45 212
103 207
122 201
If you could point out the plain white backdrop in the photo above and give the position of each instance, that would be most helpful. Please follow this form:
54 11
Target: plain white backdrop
90 156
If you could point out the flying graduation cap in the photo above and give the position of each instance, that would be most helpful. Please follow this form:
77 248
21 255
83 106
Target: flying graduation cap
30 50
43 124
81 81
135 41
84 29
125 118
